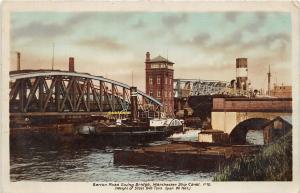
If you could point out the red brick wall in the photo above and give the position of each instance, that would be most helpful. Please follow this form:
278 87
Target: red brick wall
166 98
252 105
282 91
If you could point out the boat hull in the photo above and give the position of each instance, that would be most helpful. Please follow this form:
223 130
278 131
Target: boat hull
129 135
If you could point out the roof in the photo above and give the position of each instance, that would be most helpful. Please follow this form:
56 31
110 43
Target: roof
286 119
161 59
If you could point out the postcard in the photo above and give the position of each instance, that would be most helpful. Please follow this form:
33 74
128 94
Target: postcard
150 96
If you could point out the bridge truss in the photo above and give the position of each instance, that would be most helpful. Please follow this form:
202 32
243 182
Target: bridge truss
44 92
196 87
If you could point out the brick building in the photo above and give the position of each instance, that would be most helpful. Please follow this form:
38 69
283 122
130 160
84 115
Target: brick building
281 91
159 81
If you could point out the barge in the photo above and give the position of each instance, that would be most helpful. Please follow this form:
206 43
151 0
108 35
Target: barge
184 155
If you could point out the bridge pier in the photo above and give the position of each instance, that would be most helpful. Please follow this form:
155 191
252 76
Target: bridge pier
224 121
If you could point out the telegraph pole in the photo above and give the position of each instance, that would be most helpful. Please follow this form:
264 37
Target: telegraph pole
18 61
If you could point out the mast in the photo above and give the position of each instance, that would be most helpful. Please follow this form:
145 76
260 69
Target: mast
52 65
131 78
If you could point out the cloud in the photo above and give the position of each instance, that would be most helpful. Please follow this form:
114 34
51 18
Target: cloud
198 40
253 26
231 16
38 29
102 42
50 30
138 25
234 43
268 41
78 18
115 17
172 21
256 24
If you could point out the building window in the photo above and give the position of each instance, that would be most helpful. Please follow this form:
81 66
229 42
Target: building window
150 81
166 80
158 93
151 93
170 81
166 94
155 66
158 80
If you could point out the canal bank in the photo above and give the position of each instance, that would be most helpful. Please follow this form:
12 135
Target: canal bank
273 163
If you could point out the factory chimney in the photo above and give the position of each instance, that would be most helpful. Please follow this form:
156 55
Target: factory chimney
269 81
147 56
71 64
18 61
241 73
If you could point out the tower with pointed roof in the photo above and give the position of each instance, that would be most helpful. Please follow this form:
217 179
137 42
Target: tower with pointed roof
159 81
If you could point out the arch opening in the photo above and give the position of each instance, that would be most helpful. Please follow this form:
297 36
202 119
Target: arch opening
239 134
255 137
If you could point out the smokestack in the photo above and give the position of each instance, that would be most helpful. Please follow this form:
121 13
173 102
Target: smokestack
269 81
134 105
241 73
71 64
18 61
147 56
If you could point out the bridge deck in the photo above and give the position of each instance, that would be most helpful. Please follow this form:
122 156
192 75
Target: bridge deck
252 105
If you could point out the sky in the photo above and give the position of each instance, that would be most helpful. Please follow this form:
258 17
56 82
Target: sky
113 44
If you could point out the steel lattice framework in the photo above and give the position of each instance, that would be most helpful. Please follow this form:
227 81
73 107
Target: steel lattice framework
44 92
196 87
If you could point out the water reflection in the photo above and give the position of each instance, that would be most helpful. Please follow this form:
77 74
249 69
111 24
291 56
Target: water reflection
255 137
90 162
86 163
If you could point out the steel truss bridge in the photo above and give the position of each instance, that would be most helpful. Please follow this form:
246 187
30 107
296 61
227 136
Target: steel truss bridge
197 87
46 92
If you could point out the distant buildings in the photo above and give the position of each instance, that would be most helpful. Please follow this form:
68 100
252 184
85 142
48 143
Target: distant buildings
161 85
159 81
281 91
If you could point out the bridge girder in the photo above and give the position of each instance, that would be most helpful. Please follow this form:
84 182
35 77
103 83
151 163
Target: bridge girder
197 87
61 92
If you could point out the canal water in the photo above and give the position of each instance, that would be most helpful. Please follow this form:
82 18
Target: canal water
51 162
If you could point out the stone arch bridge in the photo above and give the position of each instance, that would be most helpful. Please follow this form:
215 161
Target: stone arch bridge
236 116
